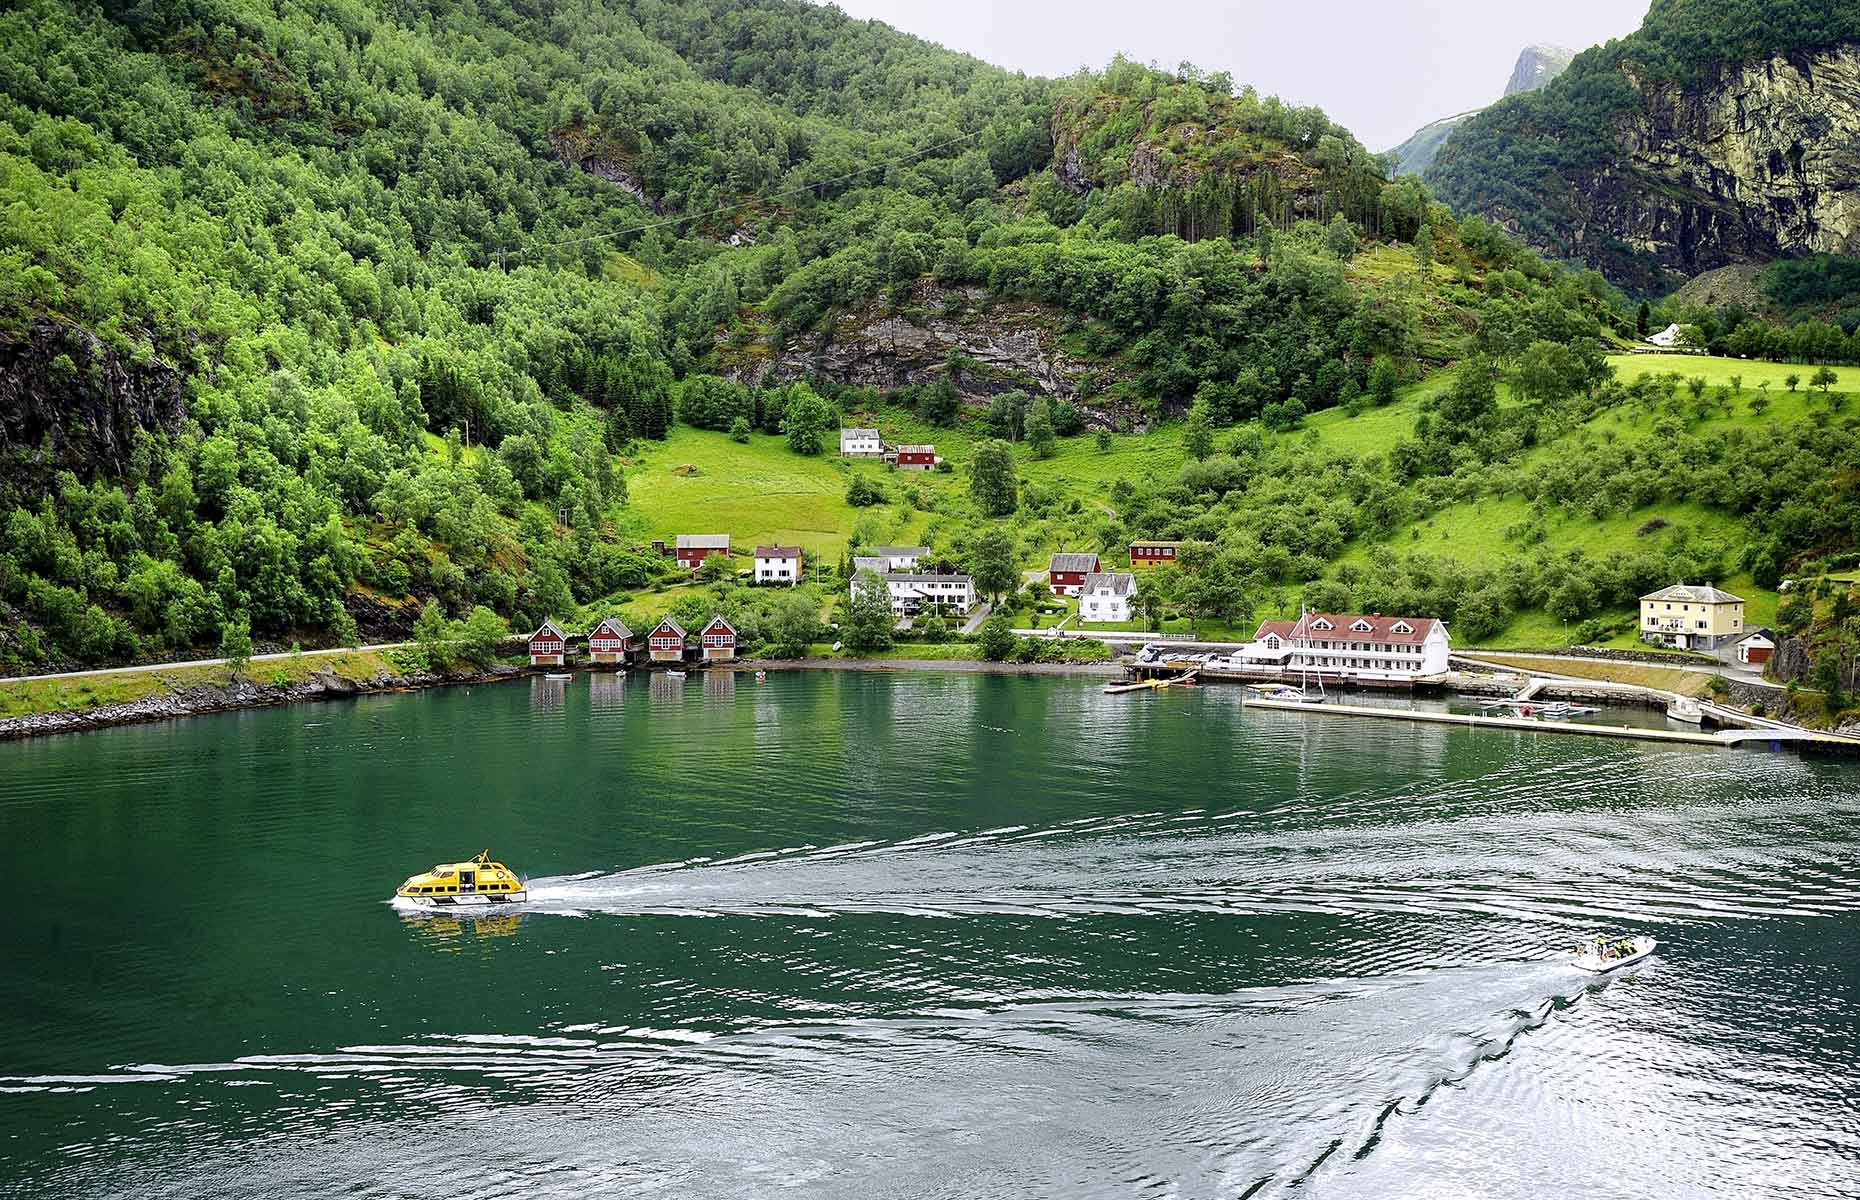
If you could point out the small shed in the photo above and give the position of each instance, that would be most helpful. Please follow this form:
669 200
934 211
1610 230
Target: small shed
611 641
1757 648
666 642
548 646
718 640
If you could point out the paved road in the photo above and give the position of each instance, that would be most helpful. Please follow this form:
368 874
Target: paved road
198 662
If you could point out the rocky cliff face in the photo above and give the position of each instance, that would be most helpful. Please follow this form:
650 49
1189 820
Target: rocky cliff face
1763 161
68 402
1760 160
1005 346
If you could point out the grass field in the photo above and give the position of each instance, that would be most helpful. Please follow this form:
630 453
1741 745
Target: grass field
701 482
1667 679
1717 371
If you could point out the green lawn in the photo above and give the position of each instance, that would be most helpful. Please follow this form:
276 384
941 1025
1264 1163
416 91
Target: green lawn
1718 371
699 481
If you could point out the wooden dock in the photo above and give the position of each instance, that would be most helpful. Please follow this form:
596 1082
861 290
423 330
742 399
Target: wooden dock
1721 740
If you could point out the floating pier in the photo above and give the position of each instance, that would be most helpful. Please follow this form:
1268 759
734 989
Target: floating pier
1723 739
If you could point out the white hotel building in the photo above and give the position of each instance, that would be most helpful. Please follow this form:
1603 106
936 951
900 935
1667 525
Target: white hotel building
1399 651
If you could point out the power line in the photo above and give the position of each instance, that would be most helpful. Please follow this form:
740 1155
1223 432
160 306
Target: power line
729 208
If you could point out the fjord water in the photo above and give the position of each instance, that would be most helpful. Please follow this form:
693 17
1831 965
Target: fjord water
918 935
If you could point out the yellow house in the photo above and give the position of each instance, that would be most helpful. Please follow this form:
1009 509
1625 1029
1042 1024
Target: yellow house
1691 618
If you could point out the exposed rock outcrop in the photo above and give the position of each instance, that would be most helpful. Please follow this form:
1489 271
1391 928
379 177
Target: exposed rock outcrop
1763 160
1003 345
1537 66
1743 162
69 402
579 147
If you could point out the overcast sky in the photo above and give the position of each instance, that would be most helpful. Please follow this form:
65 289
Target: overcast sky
1383 68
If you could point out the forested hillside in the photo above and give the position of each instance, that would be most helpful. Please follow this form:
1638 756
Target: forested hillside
314 318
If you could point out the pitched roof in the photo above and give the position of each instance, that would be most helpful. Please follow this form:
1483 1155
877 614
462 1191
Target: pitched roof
670 624
926 449
1703 594
1121 583
703 541
878 566
900 551
614 625
778 552
549 626
1381 629
1073 562
853 433
1154 542
911 577
718 620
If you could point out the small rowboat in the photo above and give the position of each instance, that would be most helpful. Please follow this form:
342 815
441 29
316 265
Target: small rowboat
559 678
1600 954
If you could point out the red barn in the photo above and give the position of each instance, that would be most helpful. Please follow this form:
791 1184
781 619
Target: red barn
1152 554
719 640
548 646
611 641
666 643
917 458
1066 573
694 548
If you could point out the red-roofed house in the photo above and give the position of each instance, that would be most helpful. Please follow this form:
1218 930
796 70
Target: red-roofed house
1364 649
778 564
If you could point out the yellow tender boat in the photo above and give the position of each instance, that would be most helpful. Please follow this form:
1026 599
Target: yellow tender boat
475 884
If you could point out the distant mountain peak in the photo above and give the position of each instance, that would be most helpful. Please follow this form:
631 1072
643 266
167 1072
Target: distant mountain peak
1537 66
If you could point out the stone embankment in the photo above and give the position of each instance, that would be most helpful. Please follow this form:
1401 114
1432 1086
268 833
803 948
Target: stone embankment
202 699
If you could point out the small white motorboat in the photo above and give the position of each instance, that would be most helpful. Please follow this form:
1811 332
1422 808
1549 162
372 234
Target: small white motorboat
558 678
674 674
1600 954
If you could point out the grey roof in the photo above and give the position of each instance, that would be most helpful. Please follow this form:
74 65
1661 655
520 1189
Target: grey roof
1705 594
908 577
549 626
877 566
675 627
703 541
1073 562
900 551
1121 583
855 433
618 626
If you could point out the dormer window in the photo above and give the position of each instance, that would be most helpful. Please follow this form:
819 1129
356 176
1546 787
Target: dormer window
1402 627
1362 626
1321 623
